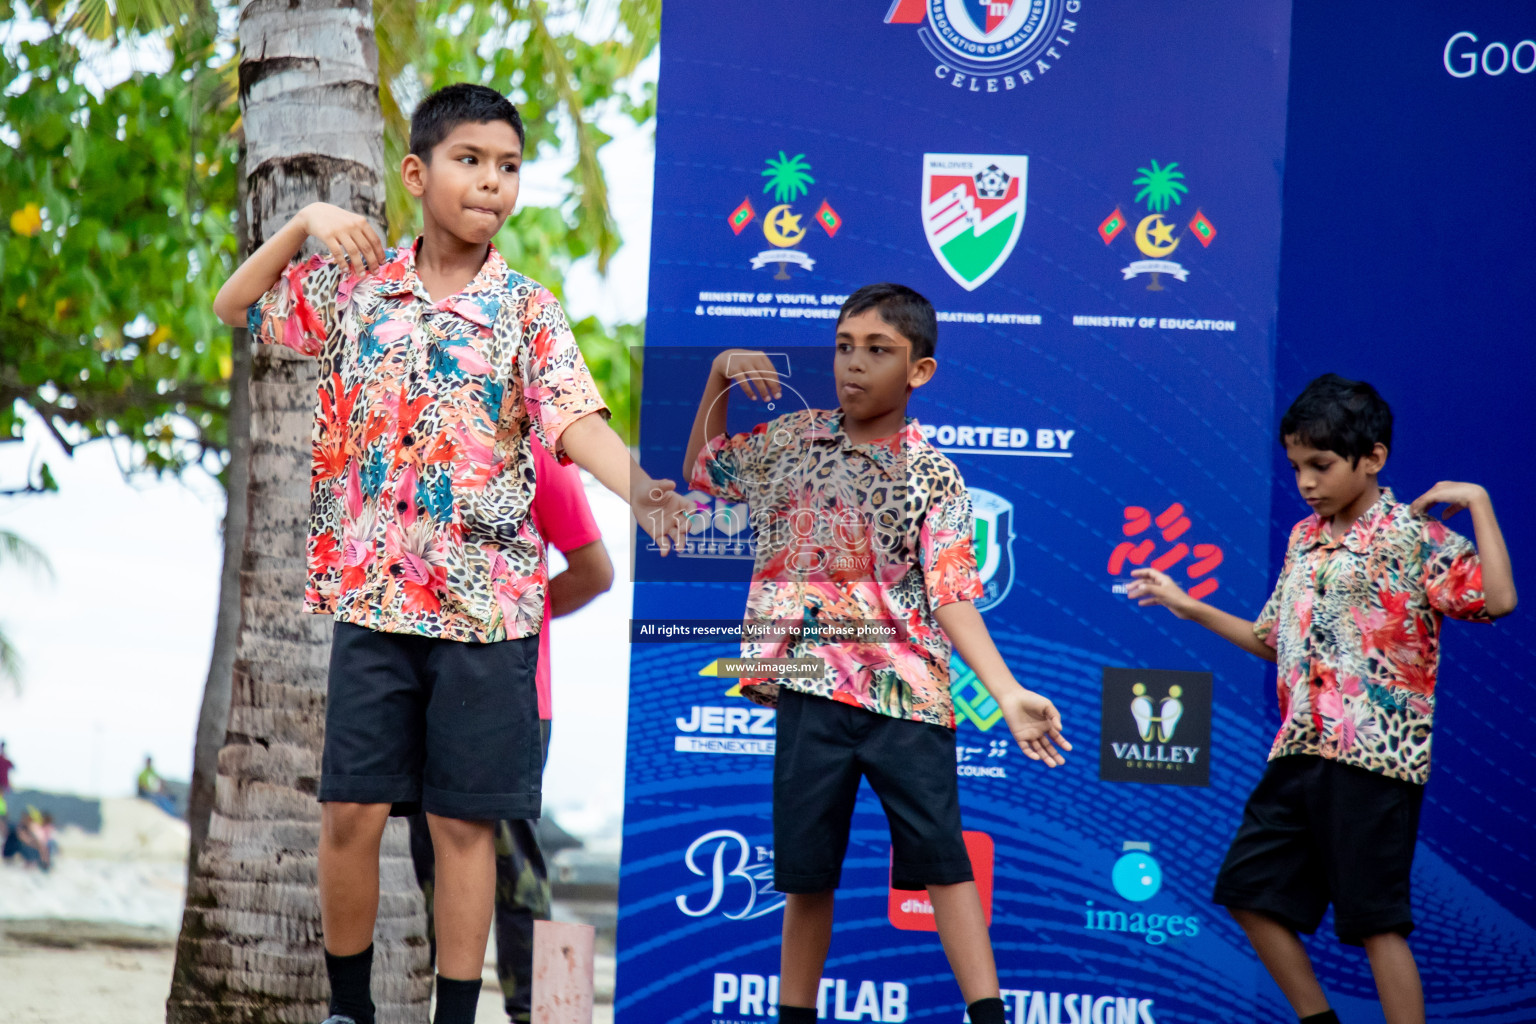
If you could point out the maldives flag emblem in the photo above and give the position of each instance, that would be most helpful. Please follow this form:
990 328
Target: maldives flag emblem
973 211
742 216
1112 226
828 219
1204 230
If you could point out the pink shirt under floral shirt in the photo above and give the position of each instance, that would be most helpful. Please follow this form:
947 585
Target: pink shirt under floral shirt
875 533
422 472
1355 623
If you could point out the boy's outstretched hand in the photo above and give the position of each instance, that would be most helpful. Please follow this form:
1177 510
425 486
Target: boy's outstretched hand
661 512
1153 587
1455 496
1036 725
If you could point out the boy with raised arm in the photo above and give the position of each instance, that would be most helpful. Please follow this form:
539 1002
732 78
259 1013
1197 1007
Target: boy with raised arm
861 525
1354 628
440 367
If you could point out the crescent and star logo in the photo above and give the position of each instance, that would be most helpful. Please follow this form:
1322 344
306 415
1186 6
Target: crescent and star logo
789 179
1161 187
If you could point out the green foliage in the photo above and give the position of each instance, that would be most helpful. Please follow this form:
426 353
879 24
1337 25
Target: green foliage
118 228
117 223
788 177
1160 186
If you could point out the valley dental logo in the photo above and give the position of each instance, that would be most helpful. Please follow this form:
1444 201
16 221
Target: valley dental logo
1156 727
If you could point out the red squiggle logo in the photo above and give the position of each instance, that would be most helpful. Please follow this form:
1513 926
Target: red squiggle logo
1172 524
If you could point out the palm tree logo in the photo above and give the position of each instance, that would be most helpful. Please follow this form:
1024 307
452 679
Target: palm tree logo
789 177
1160 186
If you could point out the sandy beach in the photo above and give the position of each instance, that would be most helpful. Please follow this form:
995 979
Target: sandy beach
94 939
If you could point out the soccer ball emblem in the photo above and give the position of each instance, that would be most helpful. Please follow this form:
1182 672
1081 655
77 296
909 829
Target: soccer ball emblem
992 182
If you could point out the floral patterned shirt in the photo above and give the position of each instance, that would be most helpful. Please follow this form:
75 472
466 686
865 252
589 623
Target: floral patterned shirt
422 471
1355 623
856 545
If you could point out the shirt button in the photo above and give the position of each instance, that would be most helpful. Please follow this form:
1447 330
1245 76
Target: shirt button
408 440
402 506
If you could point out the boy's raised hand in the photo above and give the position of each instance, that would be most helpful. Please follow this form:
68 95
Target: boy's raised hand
350 238
1153 587
1455 496
1035 724
750 370
661 512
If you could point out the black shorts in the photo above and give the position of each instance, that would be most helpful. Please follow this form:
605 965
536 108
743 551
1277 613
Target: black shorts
823 748
1316 831
440 726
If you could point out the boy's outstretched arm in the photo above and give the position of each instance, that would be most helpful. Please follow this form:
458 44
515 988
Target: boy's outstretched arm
733 366
1499 597
1033 720
1153 587
660 510
349 237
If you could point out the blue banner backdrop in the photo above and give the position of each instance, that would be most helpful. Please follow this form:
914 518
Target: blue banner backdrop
1408 262
1089 192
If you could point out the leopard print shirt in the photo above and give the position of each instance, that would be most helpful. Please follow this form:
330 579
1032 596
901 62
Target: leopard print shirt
422 472
849 537
1355 623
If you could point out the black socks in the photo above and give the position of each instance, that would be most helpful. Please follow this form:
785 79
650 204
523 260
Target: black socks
797 1014
1326 1017
456 1001
350 981
987 1011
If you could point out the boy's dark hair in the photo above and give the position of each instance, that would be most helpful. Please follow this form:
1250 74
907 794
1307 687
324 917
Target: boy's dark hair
453 105
902 308
1334 414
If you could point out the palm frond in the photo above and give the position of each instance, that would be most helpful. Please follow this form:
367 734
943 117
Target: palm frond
23 554
10 664
592 186
109 19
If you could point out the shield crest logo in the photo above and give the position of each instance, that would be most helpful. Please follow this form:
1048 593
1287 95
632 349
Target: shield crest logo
973 211
992 539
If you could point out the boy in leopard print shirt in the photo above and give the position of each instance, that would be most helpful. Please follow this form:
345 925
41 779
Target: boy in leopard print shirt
1354 628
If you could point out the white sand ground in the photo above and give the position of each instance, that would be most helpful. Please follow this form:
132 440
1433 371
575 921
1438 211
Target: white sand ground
132 873
71 986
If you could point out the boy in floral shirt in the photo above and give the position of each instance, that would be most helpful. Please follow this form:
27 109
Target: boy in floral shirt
863 576
1354 627
440 368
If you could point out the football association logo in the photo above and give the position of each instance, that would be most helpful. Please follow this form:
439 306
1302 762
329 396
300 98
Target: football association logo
973 211
990 45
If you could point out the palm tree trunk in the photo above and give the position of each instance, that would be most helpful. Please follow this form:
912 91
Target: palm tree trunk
250 945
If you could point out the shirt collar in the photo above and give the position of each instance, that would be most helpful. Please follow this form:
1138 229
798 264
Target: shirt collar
1361 533
887 453
479 301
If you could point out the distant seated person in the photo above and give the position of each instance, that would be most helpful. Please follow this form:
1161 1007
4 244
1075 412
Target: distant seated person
152 788
34 840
